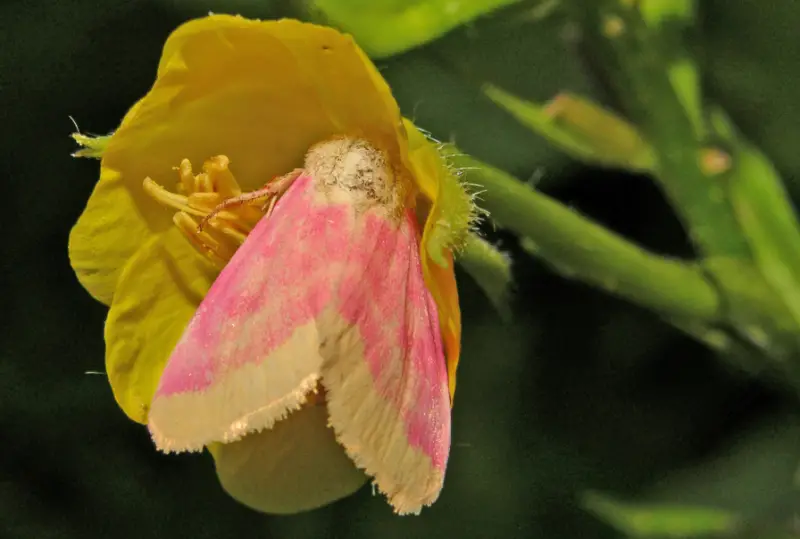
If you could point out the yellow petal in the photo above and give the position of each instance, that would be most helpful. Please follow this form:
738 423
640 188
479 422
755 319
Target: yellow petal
106 235
259 92
157 293
442 284
112 227
295 466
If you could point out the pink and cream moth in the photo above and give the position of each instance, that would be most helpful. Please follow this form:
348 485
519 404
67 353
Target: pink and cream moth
325 298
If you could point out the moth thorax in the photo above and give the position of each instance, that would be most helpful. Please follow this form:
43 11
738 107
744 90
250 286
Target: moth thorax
355 169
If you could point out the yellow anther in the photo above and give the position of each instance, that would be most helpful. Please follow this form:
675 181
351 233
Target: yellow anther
187 178
202 183
213 214
204 243
205 201
173 200
221 177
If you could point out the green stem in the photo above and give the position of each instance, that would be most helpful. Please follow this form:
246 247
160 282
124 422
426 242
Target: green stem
658 85
762 207
491 269
584 250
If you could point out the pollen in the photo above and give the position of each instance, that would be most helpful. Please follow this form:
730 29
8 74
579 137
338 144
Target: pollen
213 213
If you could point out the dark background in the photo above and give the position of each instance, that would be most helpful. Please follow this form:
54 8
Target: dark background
580 391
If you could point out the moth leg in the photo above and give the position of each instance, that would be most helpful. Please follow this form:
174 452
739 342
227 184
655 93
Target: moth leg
269 206
279 187
272 191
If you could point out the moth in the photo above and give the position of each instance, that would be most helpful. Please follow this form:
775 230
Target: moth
325 299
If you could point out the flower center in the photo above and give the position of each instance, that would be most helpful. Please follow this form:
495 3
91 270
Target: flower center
213 214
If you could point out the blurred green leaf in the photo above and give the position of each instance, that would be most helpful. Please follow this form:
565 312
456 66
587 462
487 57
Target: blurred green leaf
386 27
657 520
751 474
685 80
580 128
491 269
657 12
260 9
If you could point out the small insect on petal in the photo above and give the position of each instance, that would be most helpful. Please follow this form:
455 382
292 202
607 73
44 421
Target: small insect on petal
327 291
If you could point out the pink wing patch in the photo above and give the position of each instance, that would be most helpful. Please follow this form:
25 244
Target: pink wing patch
251 353
386 376
319 292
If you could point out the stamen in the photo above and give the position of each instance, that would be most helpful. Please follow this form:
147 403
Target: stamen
213 213
216 252
205 201
187 178
172 200
221 177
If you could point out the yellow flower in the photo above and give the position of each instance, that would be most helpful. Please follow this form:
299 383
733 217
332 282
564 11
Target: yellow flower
256 95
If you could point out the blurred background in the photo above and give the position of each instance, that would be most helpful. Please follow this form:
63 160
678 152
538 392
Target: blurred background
578 392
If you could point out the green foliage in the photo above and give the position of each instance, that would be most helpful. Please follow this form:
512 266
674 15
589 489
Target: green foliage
660 520
582 129
387 27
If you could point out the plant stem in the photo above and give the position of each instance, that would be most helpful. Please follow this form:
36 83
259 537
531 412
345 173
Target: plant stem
658 86
581 249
